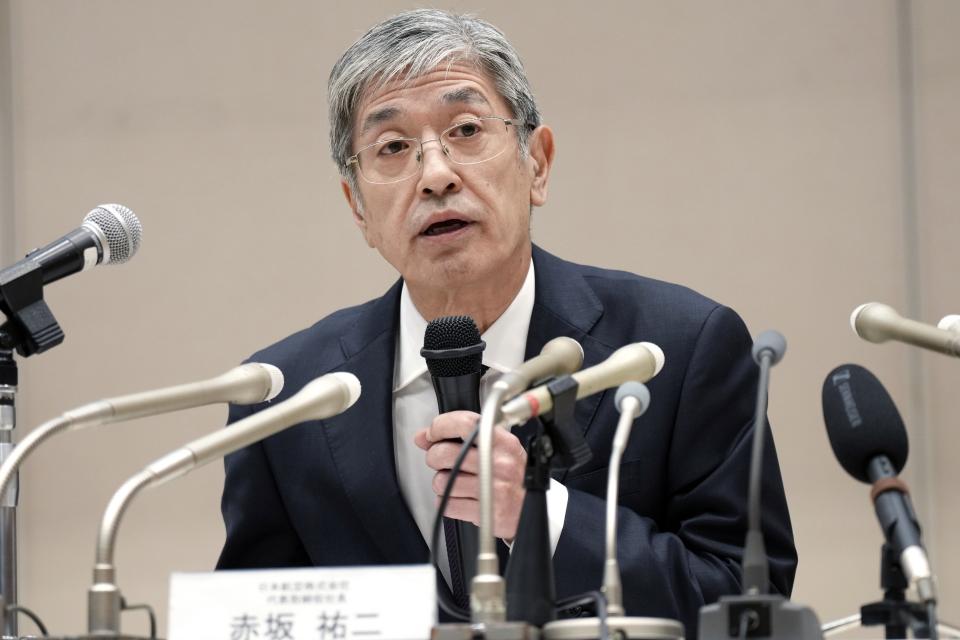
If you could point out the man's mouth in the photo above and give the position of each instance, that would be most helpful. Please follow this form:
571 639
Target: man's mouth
447 226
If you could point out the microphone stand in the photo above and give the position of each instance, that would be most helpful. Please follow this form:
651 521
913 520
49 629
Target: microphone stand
895 612
556 444
30 328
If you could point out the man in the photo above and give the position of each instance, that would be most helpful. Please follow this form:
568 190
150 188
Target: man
443 157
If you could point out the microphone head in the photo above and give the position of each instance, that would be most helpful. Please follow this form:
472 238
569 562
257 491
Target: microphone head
771 342
121 229
862 421
633 389
452 347
276 380
950 323
567 350
352 384
657 354
869 321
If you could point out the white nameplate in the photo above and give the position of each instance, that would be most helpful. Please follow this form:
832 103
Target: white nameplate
355 603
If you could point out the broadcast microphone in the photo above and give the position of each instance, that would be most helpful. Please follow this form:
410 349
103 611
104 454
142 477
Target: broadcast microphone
950 323
877 322
639 362
247 384
869 440
632 400
322 398
109 234
756 613
454 351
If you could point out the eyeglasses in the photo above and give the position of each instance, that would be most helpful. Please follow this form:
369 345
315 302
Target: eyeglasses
467 142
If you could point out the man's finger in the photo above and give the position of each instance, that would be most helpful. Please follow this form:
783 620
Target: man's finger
454 424
442 455
467 485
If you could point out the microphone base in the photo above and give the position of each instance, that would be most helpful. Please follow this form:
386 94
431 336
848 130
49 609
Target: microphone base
774 617
626 626
491 631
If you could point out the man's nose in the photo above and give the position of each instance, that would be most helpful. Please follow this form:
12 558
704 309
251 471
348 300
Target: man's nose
438 174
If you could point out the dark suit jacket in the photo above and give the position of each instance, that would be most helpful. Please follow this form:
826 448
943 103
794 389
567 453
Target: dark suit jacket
327 494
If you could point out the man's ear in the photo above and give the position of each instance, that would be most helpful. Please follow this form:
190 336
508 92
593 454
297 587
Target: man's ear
542 151
353 199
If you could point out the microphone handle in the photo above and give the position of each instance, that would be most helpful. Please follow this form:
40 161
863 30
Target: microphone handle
76 251
462 393
458 393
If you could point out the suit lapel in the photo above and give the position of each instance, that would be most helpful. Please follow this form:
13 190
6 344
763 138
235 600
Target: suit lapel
565 306
361 439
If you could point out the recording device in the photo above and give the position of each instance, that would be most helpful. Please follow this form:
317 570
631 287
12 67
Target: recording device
877 322
950 323
324 397
247 384
639 362
454 351
869 440
632 400
756 613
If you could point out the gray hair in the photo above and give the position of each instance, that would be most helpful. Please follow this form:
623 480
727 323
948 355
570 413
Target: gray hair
411 44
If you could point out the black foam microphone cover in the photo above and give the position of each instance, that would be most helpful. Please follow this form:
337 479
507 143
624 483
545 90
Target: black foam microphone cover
862 421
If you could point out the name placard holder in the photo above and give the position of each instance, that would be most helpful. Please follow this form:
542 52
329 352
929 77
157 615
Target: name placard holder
342 603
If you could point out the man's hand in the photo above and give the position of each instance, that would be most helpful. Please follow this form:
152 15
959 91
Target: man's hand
440 442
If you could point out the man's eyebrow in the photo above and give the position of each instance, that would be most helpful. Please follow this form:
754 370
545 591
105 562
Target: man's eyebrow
376 117
464 94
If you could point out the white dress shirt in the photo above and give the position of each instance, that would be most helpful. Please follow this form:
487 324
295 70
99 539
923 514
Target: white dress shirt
415 406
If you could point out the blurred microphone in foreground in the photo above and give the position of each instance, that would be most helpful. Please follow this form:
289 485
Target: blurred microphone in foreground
877 322
326 396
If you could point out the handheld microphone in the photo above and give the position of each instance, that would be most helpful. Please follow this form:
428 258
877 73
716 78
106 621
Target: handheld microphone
950 323
109 234
639 362
454 351
247 384
869 440
877 322
324 397
756 613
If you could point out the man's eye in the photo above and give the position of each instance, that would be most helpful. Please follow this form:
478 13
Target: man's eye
393 147
466 130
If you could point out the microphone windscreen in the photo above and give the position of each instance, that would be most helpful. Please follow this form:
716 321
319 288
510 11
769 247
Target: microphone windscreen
862 421
772 342
452 346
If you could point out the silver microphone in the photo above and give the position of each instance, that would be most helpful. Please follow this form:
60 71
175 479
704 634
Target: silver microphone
877 322
638 362
324 397
247 384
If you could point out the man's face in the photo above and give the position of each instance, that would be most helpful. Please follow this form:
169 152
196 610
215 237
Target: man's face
450 224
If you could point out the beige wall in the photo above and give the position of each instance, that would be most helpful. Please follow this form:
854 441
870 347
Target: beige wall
761 152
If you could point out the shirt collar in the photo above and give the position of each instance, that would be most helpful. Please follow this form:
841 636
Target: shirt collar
506 338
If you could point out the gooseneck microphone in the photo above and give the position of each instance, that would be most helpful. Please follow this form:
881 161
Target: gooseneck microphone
324 397
110 234
768 349
756 613
877 322
454 351
869 440
247 384
638 362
